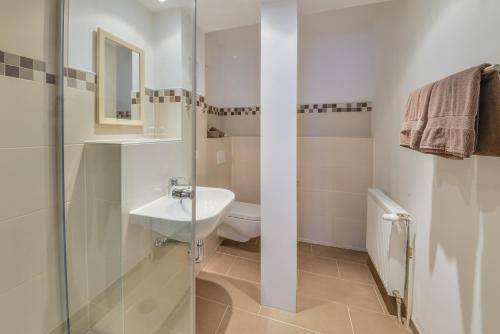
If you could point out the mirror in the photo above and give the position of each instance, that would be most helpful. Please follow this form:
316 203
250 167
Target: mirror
120 84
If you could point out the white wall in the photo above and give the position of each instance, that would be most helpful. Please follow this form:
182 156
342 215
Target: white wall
336 52
127 19
167 48
164 37
233 67
336 56
456 204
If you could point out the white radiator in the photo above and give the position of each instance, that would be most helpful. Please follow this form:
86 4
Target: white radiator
386 241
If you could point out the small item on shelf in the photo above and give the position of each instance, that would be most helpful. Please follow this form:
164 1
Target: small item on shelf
215 133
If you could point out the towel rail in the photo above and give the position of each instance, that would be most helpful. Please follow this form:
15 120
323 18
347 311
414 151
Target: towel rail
491 69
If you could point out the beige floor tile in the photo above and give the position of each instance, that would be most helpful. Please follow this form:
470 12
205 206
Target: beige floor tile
340 254
248 270
338 290
240 322
179 321
316 315
209 316
381 300
249 250
301 258
320 266
355 272
219 263
229 291
304 248
366 322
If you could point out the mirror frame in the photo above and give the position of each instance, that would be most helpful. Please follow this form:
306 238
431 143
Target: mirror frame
102 36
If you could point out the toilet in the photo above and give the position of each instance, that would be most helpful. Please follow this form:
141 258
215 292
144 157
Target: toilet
242 223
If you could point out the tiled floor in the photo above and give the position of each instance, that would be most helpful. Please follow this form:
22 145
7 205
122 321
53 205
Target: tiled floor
336 294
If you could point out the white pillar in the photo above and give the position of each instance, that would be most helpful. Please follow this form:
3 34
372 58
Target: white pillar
279 153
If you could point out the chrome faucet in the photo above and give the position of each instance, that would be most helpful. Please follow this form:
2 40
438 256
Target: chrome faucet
182 192
178 190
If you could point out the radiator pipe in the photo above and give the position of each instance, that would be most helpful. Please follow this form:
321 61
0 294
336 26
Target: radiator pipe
410 269
410 265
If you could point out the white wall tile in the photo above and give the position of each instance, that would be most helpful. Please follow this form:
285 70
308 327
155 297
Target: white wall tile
168 119
27 121
74 172
76 253
33 307
34 24
103 172
343 178
27 181
336 150
104 244
25 246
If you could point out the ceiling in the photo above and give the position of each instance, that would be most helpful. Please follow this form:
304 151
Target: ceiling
225 14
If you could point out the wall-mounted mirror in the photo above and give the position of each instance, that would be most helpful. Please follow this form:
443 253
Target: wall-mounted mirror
120 84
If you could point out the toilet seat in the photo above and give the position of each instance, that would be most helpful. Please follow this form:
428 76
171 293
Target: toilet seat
242 223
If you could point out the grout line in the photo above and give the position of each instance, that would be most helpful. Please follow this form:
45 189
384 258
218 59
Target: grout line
212 301
361 194
374 312
24 215
341 260
243 280
338 268
277 320
237 256
339 278
27 147
230 266
221 319
350 319
380 301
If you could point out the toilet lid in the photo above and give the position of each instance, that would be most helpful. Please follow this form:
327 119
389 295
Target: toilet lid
246 211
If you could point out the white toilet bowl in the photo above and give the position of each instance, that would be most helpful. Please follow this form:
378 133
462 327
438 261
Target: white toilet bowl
242 223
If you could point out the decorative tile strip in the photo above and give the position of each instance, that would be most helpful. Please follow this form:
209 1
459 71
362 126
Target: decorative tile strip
238 111
335 107
20 67
79 79
301 109
167 96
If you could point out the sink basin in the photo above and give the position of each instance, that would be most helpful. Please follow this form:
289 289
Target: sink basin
171 217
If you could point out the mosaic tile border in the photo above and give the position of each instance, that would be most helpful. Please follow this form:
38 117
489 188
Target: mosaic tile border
167 95
20 67
335 107
79 79
320 108
238 111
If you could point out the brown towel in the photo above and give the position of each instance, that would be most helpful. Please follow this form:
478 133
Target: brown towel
489 117
416 117
452 118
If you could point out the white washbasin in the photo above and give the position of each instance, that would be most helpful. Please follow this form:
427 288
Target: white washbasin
171 217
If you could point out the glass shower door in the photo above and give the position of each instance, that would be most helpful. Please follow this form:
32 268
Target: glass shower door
129 128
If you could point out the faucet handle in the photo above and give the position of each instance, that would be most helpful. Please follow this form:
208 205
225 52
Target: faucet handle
174 181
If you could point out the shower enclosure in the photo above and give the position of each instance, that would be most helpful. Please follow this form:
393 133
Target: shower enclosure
128 127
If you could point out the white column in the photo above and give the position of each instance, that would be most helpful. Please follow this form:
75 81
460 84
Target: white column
279 153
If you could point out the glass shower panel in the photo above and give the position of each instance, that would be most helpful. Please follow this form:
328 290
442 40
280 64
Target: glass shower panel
129 131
